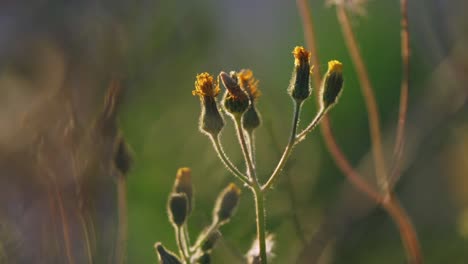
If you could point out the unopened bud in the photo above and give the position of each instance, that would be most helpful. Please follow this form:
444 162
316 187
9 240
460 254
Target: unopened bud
332 85
183 184
236 101
251 118
226 203
211 121
299 88
210 241
178 208
165 256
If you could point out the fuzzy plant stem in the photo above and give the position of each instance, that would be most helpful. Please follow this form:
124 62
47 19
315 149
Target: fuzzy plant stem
222 156
183 251
245 150
251 139
260 212
288 149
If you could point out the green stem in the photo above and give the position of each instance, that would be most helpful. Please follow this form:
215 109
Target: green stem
219 150
186 238
287 150
245 152
251 139
182 249
260 211
301 136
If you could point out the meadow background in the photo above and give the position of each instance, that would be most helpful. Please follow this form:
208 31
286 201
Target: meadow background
56 61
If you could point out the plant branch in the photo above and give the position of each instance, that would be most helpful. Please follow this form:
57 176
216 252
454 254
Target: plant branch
318 117
251 139
227 163
405 53
183 251
260 212
407 232
369 98
245 150
287 150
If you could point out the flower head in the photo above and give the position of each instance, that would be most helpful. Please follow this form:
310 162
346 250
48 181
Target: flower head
205 86
301 56
236 100
211 121
248 82
332 85
299 88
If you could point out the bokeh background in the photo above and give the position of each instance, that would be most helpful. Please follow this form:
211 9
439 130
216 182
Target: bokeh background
158 47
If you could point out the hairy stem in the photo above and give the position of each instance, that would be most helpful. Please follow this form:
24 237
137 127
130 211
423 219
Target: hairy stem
227 163
245 151
251 139
318 117
287 150
405 71
260 212
183 251
369 98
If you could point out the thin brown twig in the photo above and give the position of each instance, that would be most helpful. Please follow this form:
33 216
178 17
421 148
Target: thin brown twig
369 98
340 159
405 53
406 229
391 204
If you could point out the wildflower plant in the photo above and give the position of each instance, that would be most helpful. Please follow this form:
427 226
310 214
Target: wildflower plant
239 103
179 207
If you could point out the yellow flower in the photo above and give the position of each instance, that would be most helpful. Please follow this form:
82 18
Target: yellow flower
301 56
205 86
249 83
335 66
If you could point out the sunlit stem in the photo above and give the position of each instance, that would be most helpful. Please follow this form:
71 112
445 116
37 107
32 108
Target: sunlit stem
251 139
219 150
186 238
245 152
318 117
260 212
184 254
288 149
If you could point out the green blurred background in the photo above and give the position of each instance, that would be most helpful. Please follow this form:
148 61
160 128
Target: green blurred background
172 41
